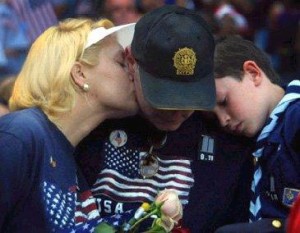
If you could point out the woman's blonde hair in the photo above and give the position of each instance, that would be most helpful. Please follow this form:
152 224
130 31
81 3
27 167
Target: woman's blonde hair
45 79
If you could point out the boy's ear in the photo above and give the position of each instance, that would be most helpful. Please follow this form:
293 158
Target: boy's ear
254 71
77 75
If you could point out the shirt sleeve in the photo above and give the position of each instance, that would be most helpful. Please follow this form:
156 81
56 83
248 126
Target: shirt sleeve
292 127
13 172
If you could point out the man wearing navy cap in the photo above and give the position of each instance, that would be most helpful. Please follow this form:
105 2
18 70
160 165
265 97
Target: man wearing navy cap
173 48
168 145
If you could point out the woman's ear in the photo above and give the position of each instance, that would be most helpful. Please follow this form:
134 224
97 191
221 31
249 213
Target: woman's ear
253 71
77 75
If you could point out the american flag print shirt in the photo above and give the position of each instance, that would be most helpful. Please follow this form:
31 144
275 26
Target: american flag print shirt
120 187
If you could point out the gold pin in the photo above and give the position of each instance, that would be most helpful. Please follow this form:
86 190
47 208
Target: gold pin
276 223
52 162
255 161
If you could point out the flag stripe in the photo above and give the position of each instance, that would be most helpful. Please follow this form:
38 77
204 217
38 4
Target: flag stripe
119 187
181 182
86 207
133 196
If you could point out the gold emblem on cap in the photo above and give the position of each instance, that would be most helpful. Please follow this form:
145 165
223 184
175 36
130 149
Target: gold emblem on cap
185 61
276 223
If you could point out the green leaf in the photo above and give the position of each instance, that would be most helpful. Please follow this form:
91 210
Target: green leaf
104 228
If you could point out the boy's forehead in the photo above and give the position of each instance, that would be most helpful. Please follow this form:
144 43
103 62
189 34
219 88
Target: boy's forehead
224 83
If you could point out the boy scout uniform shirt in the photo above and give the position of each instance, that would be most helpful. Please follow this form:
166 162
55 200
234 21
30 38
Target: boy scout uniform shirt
38 177
280 165
211 171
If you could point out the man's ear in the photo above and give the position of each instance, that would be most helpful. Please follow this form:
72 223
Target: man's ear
255 73
77 75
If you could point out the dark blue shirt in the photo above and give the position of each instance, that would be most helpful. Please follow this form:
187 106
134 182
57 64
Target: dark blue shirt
38 176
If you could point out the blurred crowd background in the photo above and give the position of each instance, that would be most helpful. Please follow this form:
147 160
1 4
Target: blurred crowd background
274 26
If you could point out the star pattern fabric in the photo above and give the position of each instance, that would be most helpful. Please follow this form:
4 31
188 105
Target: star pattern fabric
60 206
126 160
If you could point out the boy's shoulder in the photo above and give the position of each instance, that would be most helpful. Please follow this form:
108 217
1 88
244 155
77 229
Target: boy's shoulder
291 125
294 105
288 124
292 113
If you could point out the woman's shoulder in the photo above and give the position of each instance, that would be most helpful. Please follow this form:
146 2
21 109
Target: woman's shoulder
23 123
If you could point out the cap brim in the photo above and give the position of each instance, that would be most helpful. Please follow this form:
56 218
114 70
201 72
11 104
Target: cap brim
124 34
177 95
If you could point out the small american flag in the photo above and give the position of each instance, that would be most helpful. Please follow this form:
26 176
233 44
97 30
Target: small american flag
37 14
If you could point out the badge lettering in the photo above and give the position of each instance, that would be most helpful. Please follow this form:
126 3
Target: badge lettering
206 149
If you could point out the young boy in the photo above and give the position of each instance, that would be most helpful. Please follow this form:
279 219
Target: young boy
251 102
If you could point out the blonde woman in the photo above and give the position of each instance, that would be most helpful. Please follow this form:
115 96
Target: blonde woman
75 77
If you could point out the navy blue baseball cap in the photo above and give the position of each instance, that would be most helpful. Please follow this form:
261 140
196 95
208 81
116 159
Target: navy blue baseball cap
174 49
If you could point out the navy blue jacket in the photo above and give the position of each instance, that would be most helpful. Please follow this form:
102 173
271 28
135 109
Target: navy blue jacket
281 163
